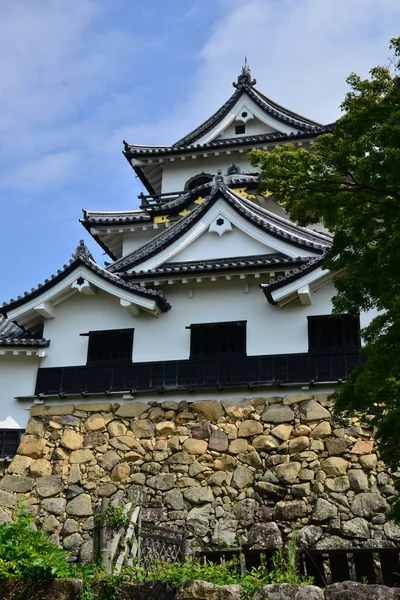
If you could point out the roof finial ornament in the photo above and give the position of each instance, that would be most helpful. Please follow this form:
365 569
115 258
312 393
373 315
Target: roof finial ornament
219 180
244 79
82 251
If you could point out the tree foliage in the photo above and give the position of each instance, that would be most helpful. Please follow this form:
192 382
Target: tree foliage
350 180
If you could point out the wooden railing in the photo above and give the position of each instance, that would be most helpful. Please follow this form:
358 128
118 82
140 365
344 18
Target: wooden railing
366 565
250 371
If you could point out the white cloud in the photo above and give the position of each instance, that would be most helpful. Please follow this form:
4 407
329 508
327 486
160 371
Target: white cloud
300 51
45 173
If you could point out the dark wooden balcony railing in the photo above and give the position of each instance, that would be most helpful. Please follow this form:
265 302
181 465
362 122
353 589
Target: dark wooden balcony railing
250 371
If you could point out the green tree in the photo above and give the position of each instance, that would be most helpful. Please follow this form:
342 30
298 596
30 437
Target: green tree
350 180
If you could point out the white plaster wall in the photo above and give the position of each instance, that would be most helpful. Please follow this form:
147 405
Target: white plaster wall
177 173
232 243
253 127
17 378
135 239
270 329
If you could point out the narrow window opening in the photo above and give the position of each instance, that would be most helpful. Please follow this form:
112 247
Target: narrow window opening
218 340
240 129
110 347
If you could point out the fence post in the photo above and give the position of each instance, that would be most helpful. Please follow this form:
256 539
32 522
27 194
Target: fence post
105 538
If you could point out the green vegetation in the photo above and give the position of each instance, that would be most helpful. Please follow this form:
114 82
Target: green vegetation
350 181
27 555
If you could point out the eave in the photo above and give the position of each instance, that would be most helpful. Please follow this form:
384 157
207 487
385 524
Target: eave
297 284
80 276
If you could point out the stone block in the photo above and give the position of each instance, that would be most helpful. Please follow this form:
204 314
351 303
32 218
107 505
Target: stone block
35 427
80 506
218 441
265 535
310 410
20 464
79 457
323 511
277 413
201 430
120 472
49 486
193 446
238 446
165 428
351 590
270 490
198 495
237 408
7 499
321 431
288 591
16 483
288 472
358 480
282 432
55 506
116 429
96 407
132 410
44 410
242 477
95 422
362 447
142 428
265 442
369 504
335 466
356 528
163 482
249 428
290 510
195 589
32 446
71 440
109 460
40 468
211 410
296 398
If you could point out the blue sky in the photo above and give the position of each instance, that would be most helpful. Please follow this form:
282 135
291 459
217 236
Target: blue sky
78 77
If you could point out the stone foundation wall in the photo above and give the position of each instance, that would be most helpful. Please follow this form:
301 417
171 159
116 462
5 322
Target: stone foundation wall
235 471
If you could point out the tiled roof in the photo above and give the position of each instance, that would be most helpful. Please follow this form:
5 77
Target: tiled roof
293 275
13 335
256 261
93 217
83 257
133 150
265 220
245 84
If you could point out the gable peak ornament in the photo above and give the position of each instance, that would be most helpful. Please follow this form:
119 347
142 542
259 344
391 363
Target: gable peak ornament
82 251
244 79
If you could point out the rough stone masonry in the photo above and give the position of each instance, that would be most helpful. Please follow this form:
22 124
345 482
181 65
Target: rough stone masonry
234 471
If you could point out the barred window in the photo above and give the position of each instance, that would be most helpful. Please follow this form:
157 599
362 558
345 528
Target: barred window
330 332
218 340
110 347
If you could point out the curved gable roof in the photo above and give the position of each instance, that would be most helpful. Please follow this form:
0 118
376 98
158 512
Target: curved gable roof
261 218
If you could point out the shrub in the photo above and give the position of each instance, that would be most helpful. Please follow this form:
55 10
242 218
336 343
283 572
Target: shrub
27 553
